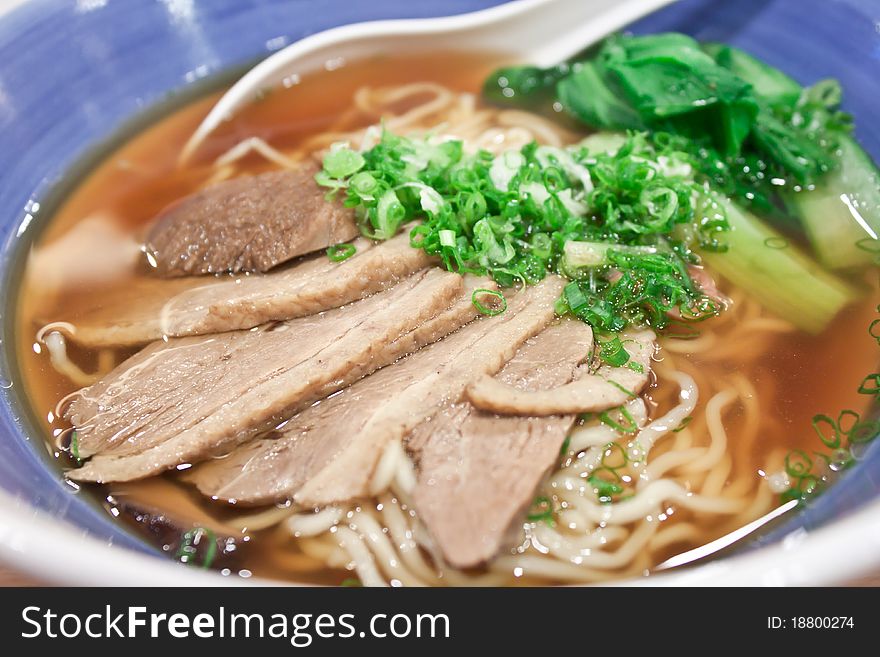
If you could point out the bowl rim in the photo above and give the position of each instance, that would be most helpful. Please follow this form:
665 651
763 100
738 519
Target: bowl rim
31 540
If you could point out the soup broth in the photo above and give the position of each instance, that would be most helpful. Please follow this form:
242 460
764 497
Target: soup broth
760 381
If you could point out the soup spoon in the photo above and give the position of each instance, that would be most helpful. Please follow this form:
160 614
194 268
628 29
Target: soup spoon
541 32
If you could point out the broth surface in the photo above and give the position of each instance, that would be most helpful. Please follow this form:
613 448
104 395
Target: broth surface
90 250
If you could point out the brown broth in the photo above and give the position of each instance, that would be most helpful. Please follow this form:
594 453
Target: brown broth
802 374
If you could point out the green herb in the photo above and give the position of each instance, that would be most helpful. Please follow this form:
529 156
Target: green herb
563 451
686 421
809 477
521 214
873 331
776 243
614 451
189 547
626 423
870 385
636 367
340 252
542 511
351 582
74 445
827 430
342 162
612 352
491 311
750 129
604 488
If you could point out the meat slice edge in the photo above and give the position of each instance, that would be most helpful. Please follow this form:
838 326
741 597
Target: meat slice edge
154 308
328 453
607 387
290 377
274 467
477 472
252 223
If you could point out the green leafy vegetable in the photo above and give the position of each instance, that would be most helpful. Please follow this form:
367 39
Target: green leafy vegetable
752 130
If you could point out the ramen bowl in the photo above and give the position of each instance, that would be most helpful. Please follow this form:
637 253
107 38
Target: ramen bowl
80 75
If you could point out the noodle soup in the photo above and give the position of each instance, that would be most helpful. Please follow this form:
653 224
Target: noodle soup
699 453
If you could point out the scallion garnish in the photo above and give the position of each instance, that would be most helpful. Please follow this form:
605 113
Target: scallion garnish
563 451
827 430
683 425
606 487
608 220
340 252
542 511
776 243
612 352
490 310
189 547
870 385
74 445
624 424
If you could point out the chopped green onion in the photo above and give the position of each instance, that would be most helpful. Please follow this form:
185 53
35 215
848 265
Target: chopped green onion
447 238
595 254
74 445
686 421
629 426
351 582
873 330
542 511
563 451
798 464
340 252
870 385
489 310
189 547
830 435
341 161
612 352
776 242
864 432
611 219
612 449
605 490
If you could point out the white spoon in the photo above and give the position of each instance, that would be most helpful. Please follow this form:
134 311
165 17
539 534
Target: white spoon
540 32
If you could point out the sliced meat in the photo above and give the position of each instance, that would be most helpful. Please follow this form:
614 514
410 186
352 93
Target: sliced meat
192 306
606 388
328 453
251 223
477 472
183 400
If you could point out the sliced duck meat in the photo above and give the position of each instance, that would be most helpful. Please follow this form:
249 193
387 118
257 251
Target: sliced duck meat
193 306
251 223
185 399
606 388
328 453
477 472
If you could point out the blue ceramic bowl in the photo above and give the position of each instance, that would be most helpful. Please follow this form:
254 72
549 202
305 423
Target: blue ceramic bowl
74 72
